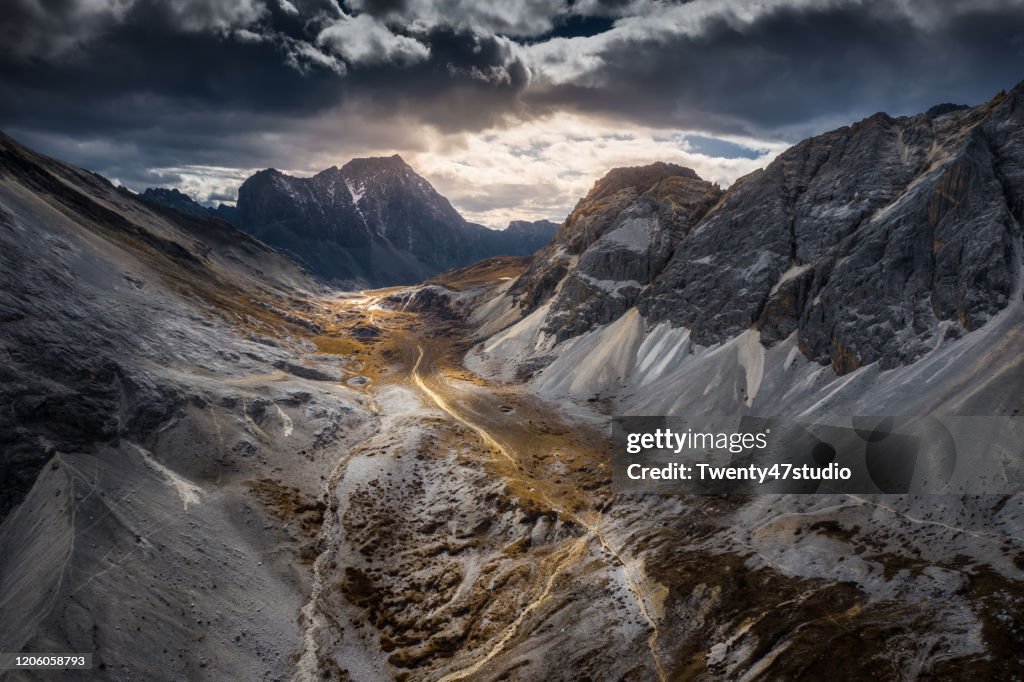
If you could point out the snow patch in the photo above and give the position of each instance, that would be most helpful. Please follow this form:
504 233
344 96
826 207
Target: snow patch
357 196
357 191
188 492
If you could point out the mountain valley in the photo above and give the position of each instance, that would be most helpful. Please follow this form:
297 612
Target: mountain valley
221 466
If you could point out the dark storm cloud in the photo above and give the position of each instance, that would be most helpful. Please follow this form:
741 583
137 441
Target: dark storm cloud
791 65
127 86
384 8
469 82
173 90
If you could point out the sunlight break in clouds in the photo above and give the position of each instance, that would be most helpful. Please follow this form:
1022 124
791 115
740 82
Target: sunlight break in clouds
527 171
540 168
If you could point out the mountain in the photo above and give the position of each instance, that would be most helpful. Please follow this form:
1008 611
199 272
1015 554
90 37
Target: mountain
371 222
161 390
876 269
179 201
529 236
890 244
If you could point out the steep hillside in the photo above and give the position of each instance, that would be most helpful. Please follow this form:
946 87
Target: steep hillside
164 410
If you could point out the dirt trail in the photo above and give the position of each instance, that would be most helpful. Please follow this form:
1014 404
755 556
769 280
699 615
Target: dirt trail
561 560
589 521
548 463
434 396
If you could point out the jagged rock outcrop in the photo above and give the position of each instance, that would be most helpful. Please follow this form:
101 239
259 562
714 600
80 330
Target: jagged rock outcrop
613 245
870 243
862 241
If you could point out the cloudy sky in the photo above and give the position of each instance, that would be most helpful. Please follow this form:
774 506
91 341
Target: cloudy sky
511 108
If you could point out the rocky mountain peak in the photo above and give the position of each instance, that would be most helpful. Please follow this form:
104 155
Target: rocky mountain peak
373 221
613 245
875 243
641 178
373 165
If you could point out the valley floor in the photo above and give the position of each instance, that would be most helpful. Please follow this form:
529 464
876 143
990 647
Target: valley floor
476 536
352 504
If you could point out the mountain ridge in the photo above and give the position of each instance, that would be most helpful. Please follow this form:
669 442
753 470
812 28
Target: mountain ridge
373 221
863 250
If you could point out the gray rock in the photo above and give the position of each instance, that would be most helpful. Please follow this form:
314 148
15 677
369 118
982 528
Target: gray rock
861 241
616 242
373 222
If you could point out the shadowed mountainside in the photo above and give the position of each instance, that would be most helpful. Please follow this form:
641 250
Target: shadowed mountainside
372 222
870 247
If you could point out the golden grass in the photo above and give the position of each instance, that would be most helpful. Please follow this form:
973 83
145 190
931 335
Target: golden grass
488 272
338 345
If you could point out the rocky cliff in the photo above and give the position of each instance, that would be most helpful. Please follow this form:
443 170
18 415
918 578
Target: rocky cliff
874 245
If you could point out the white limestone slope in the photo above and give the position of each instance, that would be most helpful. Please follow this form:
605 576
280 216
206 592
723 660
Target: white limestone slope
657 369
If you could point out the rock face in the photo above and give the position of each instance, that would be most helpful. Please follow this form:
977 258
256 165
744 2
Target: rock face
372 222
615 243
869 244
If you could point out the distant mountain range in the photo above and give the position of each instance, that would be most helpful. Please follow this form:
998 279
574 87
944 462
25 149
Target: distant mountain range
179 201
372 222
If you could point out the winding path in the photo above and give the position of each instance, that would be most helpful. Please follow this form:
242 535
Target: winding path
562 563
